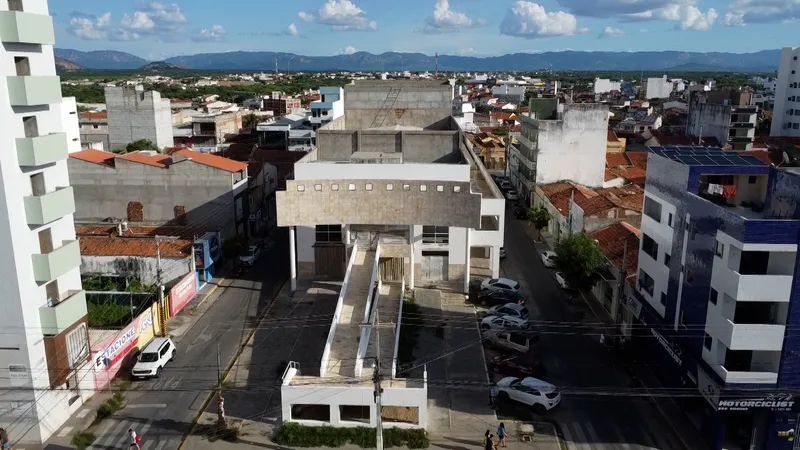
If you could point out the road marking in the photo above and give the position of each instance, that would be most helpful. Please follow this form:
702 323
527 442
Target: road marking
109 440
64 431
581 436
161 445
593 437
622 441
567 436
83 413
147 405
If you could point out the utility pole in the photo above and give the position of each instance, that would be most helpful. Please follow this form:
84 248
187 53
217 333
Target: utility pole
221 424
162 304
376 377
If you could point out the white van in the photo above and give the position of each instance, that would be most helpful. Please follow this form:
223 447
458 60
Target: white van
153 358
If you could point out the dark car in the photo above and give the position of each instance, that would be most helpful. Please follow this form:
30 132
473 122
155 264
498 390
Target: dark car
492 298
519 366
520 212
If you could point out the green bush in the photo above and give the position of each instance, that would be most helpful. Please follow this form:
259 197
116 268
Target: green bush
108 314
296 435
83 440
110 406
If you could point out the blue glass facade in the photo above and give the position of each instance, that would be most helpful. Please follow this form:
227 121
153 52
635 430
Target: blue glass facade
677 180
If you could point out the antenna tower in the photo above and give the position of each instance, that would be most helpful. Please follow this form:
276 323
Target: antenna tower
436 73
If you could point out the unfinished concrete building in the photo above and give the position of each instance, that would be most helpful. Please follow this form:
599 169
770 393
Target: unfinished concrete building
135 114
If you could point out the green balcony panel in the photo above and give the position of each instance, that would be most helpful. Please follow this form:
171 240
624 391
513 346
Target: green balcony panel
26 28
41 150
60 316
43 209
48 267
34 90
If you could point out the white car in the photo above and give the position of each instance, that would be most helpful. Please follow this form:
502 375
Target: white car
538 394
505 185
509 309
153 358
512 196
549 259
562 281
502 323
249 257
500 284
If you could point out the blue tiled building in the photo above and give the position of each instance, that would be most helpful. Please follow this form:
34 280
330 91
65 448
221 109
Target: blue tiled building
716 307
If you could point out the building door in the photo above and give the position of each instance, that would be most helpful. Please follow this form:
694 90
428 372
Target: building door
434 265
329 261
391 269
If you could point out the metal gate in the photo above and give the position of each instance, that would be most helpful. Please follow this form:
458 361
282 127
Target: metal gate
434 266
329 260
391 269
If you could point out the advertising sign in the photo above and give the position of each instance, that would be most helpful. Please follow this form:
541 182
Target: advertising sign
200 254
182 293
109 353
673 349
776 402
18 375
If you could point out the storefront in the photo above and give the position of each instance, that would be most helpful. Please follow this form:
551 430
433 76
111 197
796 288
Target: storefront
207 251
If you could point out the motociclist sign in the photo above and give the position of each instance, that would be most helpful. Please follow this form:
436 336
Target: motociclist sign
770 402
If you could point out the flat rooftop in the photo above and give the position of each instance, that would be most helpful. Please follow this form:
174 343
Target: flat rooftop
707 156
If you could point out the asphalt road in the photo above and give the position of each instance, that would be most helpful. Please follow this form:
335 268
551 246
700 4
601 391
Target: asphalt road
593 413
162 410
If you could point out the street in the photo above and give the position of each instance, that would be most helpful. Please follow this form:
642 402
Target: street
597 416
162 410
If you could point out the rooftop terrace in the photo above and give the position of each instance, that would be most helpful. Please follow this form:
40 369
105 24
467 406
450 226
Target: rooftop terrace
707 156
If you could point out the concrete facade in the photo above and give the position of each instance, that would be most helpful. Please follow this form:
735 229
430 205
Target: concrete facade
785 120
425 105
658 87
134 114
604 85
45 373
144 269
728 116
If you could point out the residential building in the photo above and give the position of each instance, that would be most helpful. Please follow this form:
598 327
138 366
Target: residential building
292 132
69 117
135 114
45 368
208 131
509 93
94 128
604 85
619 243
729 116
330 106
490 148
767 84
625 167
717 281
391 197
281 104
785 120
639 123
187 187
570 146
659 87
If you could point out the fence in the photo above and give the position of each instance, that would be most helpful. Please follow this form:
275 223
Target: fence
369 316
116 309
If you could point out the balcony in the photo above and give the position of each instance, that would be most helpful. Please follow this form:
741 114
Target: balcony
740 139
26 28
743 125
752 288
746 336
34 90
41 150
745 109
49 266
321 105
59 315
746 377
43 209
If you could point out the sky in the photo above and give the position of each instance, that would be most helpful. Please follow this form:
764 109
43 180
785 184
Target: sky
156 30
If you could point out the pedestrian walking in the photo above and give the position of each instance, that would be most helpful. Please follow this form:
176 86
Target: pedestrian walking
486 437
488 443
5 442
135 439
501 434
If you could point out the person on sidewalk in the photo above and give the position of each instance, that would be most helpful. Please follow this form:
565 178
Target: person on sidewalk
5 442
134 439
501 435
488 443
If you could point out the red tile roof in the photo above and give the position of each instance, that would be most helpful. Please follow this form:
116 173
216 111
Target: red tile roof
612 137
215 161
99 115
95 156
160 161
141 247
184 231
593 201
613 241
631 166
504 116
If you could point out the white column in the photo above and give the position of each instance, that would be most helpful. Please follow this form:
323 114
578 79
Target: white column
495 262
292 260
346 231
411 257
467 261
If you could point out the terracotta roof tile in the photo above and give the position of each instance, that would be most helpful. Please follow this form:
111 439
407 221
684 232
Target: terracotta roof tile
612 241
612 137
91 115
142 247
608 175
617 159
160 161
95 156
210 160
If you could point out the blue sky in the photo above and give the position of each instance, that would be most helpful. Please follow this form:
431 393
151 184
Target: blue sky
159 29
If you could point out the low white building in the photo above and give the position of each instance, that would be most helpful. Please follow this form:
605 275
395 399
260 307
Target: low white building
329 107
604 85
659 87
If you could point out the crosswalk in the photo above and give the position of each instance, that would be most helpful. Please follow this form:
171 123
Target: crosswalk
585 436
113 434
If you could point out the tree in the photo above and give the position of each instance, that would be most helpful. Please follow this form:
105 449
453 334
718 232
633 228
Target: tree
579 259
249 122
539 218
483 109
141 144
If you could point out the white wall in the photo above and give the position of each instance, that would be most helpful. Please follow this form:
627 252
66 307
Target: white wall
69 120
604 85
333 171
659 87
662 234
790 61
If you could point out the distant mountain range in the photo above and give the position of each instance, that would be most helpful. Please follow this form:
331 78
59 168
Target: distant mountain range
66 65
763 61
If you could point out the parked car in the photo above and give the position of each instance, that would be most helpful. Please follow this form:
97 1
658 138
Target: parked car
153 358
502 252
516 366
509 309
562 281
511 341
501 323
505 185
491 298
250 256
500 284
549 259
512 196
540 395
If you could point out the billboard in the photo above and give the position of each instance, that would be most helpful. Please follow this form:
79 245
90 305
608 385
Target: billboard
182 293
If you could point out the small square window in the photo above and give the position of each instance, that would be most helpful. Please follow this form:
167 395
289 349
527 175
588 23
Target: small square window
439 188
406 187
751 179
351 187
389 187
423 188
301 188
456 188
707 342
720 248
667 259
334 187
712 296
318 187
368 186
664 299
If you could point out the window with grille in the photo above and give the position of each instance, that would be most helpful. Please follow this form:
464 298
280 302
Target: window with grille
77 345
435 235
329 233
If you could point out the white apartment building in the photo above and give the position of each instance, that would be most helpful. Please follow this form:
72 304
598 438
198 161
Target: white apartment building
786 112
44 351
658 87
135 114
604 85
329 107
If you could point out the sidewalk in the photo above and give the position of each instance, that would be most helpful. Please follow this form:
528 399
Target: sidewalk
687 433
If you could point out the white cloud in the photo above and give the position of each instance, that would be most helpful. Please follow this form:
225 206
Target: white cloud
89 27
139 21
163 13
293 30
692 18
340 15
530 20
645 9
444 19
609 32
165 21
643 30
215 33
349 50
742 12
467 51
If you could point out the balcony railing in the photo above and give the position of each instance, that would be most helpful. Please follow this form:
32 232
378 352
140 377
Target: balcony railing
62 313
41 150
756 337
49 266
19 27
34 90
43 209
751 288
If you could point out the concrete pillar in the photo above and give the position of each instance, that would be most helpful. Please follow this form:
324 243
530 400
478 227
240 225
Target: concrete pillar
292 260
411 257
467 260
495 261
346 231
